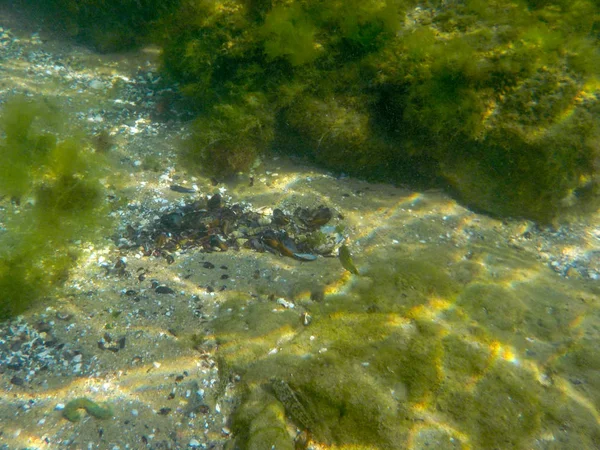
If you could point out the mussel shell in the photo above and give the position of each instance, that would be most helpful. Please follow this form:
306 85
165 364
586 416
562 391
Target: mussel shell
172 220
214 202
280 218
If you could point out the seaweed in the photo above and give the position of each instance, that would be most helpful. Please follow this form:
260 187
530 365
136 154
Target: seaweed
231 137
57 197
289 33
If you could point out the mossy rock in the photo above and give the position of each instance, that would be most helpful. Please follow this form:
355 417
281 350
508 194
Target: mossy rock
261 422
338 133
528 163
499 101
501 104
230 137
493 306
352 385
463 363
507 408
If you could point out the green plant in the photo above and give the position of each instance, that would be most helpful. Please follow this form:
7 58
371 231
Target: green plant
72 414
288 32
57 197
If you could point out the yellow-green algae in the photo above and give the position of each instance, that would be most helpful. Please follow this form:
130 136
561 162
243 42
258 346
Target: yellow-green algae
416 351
71 411
51 193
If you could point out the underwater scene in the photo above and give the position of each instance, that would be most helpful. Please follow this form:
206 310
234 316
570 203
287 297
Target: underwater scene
300 224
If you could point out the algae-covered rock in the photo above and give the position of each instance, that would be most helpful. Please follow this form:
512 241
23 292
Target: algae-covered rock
406 353
230 137
261 422
500 101
493 305
109 25
338 133
533 164
501 104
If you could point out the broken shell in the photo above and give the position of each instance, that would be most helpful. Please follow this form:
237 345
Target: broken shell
305 318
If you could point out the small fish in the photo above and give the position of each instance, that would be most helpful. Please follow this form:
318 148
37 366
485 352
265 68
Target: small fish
181 189
346 260
304 257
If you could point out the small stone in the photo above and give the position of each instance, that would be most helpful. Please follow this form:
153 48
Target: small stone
17 381
194 443
96 84
164 290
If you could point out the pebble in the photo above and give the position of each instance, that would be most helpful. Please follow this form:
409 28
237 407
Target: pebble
28 349
96 84
17 381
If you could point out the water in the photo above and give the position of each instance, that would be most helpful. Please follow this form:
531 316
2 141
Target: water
461 330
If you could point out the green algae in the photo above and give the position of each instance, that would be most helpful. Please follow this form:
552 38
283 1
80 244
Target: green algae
218 145
260 422
72 414
53 182
289 33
